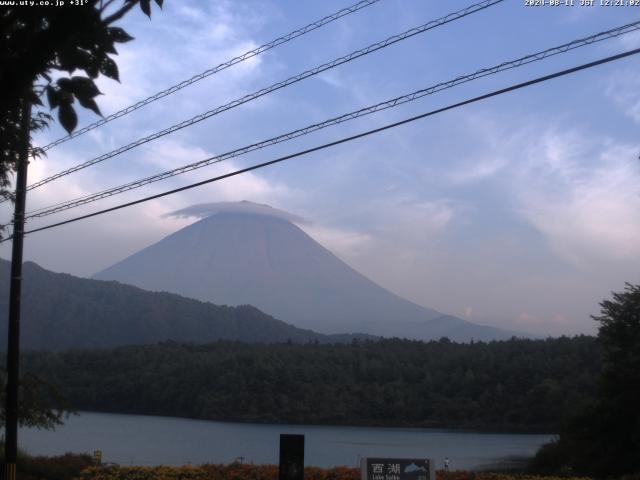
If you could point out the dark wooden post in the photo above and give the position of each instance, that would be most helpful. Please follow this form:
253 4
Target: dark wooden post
291 457
15 293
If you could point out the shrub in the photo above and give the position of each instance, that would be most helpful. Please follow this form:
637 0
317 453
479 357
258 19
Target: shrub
63 467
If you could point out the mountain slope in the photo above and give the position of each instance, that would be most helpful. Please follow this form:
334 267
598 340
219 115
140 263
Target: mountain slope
61 311
243 257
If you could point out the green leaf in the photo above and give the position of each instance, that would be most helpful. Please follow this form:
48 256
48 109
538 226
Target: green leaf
65 84
75 58
67 117
110 49
159 2
92 70
53 97
84 87
145 5
65 97
109 69
117 34
91 104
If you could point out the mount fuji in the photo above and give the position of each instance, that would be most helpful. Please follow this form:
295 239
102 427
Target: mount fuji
245 253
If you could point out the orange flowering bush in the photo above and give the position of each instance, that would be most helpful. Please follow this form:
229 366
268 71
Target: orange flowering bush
236 471
465 475
144 473
233 471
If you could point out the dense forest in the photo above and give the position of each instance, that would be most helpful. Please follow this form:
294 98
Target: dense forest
509 385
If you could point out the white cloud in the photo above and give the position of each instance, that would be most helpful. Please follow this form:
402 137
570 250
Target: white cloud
478 170
182 41
333 78
421 219
494 143
581 192
394 241
169 153
204 210
587 212
622 89
388 235
347 244
248 186
630 40
116 235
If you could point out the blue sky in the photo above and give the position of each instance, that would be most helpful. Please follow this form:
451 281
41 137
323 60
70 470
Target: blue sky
522 211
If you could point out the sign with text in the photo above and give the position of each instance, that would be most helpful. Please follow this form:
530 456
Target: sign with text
397 469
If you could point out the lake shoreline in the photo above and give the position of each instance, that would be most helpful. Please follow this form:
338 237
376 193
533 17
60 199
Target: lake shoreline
505 429
131 439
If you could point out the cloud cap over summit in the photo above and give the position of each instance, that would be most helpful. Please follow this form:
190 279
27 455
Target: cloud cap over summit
203 210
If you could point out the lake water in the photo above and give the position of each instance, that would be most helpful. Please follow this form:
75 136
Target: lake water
147 440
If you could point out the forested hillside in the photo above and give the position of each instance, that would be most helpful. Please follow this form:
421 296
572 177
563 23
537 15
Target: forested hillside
508 385
62 311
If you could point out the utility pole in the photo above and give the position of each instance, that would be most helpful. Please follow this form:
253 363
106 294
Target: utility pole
15 291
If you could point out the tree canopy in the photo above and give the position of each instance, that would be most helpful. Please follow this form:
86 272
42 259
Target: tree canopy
41 403
603 439
38 43
511 385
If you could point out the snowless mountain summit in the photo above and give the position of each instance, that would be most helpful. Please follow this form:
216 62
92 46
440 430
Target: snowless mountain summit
245 253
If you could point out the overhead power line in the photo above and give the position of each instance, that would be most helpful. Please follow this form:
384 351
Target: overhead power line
276 86
223 66
344 140
394 102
